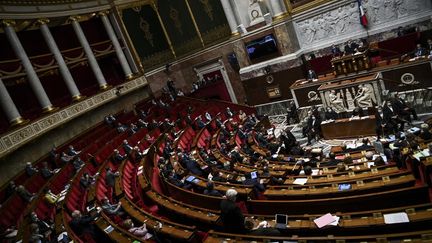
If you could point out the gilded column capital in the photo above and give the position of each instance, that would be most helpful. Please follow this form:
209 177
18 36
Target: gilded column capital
42 21
103 13
8 22
74 18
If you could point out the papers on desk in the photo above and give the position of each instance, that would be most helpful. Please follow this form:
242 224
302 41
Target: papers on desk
396 218
327 121
422 153
370 164
325 220
340 157
300 181
315 171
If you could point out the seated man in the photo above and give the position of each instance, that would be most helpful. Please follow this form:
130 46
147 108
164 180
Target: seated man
210 191
312 76
45 171
419 51
117 158
72 152
111 209
30 169
425 134
82 224
335 50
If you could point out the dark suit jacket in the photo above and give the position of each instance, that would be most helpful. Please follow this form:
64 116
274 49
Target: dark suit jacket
232 217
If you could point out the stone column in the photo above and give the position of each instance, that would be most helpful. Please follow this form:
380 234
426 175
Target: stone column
8 106
120 30
33 79
89 53
64 71
230 15
277 9
119 52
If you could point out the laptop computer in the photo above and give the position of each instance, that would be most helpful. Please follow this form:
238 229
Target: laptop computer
253 175
281 221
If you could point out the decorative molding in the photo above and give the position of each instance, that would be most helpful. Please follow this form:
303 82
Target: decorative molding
16 138
340 20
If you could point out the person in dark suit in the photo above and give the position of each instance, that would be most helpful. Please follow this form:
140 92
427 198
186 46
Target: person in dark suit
82 224
126 147
117 158
311 75
314 128
335 50
110 178
210 191
292 113
193 167
429 45
330 114
357 111
350 47
332 160
384 124
231 215
419 51
365 145
199 122
402 109
392 107
425 134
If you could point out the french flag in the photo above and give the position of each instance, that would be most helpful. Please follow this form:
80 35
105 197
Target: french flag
363 18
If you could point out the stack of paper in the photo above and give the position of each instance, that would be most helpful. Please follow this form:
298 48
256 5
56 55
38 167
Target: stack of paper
300 181
396 218
326 219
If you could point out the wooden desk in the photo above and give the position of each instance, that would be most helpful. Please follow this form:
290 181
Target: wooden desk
369 201
346 128
171 229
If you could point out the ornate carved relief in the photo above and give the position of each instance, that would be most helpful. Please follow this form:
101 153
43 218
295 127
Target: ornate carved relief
16 138
344 20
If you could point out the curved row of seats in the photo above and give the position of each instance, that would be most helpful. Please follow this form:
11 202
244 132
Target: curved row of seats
185 215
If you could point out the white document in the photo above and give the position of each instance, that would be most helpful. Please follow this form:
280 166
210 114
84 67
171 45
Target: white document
300 181
396 218
335 223
315 171
370 164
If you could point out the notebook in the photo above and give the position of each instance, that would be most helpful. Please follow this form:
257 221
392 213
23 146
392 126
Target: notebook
281 221
324 220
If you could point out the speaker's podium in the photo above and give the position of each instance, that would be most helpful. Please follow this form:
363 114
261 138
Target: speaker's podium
355 127
343 96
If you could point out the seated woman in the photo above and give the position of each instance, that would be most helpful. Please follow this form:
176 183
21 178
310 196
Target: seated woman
141 231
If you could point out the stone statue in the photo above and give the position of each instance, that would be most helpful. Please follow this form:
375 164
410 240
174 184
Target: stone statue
364 96
336 101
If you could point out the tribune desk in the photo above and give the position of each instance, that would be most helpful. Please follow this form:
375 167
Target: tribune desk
349 128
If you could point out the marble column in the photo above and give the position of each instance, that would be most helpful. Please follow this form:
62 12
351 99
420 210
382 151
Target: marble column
33 79
230 15
118 49
120 30
64 71
89 53
277 8
8 106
